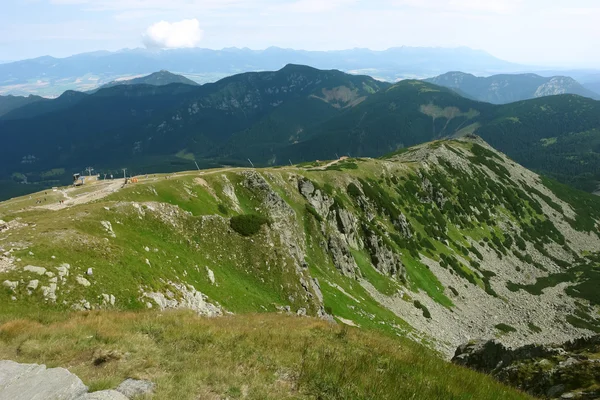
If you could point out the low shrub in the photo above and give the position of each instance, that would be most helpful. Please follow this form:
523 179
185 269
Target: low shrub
248 225
505 328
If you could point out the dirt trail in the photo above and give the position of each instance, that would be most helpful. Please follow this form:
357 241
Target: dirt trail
99 190
324 167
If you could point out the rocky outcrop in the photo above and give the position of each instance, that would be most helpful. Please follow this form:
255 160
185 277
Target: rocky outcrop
284 224
320 201
347 224
342 257
384 259
403 226
184 297
570 370
36 382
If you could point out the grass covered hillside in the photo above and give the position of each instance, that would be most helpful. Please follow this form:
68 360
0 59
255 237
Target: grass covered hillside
443 242
439 243
259 356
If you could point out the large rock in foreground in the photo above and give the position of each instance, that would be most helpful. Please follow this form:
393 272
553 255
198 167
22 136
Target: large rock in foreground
569 371
36 382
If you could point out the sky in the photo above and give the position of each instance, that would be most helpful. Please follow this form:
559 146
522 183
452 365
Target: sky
536 32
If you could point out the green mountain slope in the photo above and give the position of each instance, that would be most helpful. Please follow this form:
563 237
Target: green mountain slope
160 78
39 108
555 135
10 103
441 242
508 88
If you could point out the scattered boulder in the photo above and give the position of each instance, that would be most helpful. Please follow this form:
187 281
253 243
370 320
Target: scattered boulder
82 281
35 270
49 292
133 387
63 270
211 275
108 299
33 285
108 228
10 284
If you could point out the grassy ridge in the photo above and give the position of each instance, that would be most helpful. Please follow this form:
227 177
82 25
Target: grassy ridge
252 356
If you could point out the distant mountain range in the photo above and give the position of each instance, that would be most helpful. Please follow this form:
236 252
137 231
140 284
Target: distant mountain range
18 104
293 115
507 88
51 76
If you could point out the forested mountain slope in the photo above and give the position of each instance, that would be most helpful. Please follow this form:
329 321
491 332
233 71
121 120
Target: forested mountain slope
276 118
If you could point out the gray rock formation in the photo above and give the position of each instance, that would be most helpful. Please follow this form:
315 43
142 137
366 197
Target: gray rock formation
36 382
342 257
134 387
403 226
570 370
320 201
348 225
384 259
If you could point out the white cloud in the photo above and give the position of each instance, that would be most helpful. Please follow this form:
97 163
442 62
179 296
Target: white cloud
176 35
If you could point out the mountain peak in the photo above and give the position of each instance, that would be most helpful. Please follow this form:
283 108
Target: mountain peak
160 78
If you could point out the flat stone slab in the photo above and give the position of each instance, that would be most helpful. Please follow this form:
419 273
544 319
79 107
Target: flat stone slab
36 382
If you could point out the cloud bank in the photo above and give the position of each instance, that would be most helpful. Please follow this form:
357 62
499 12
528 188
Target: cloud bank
176 35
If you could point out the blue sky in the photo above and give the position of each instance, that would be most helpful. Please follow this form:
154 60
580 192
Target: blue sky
540 32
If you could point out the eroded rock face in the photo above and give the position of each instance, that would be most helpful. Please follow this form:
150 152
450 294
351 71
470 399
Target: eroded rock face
348 225
384 259
570 370
403 226
321 202
342 257
186 297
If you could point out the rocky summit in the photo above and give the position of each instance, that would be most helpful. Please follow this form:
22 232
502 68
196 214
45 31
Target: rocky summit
444 243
